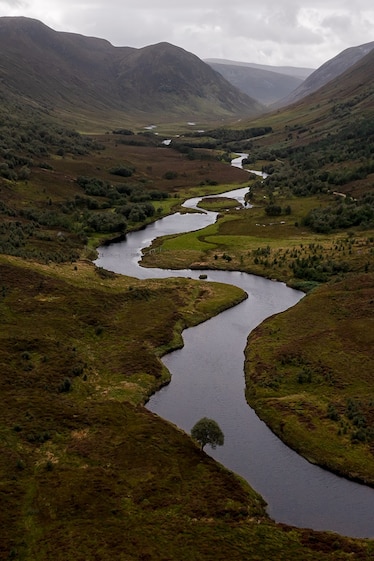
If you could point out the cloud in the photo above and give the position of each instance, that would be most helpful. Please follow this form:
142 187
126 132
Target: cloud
13 3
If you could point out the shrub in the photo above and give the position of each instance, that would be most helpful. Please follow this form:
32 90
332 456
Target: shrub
170 175
122 171
65 386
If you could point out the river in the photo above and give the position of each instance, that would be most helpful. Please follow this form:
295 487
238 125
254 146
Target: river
208 380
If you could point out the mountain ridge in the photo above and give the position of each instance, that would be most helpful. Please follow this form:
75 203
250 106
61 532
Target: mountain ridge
73 73
265 85
295 71
329 71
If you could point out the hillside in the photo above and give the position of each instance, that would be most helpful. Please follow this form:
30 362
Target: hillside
327 113
70 75
328 72
296 71
265 85
169 77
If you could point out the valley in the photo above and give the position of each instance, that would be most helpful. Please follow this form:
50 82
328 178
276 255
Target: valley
83 461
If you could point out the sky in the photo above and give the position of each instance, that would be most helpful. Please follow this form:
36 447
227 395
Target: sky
302 33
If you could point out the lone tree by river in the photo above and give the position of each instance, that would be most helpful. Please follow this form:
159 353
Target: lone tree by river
207 431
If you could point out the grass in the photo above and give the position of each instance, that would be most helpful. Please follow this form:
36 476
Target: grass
320 402
273 247
217 204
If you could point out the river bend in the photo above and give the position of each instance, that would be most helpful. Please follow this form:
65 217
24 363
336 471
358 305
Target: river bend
208 380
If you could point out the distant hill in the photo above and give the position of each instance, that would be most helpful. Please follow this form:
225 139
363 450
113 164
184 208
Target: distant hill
295 71
328 72
258 82
73 75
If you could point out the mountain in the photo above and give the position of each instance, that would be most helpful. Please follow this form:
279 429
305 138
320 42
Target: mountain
170 76
266 85
348 100
74 75
328 72
50 69
295 71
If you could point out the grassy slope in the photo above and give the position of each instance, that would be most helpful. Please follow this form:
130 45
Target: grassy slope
310 376
101 333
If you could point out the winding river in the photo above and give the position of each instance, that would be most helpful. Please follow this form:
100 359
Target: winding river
208 380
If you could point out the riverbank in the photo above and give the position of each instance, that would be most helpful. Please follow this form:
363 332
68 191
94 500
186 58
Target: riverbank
121 258
309 377
236 242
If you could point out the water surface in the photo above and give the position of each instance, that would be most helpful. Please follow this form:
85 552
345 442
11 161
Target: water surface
208 380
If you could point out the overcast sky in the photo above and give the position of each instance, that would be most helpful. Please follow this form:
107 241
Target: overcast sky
276 32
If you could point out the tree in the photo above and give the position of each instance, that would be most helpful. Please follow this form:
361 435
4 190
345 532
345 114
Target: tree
207 431
273 210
